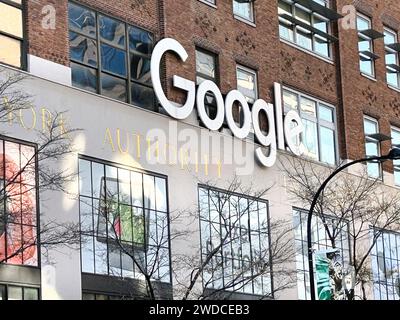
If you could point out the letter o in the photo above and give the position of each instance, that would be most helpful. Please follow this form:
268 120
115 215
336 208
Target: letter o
212 124
238 132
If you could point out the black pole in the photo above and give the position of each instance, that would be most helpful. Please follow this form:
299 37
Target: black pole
310 214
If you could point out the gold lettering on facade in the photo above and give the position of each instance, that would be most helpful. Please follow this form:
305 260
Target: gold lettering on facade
108 139
119 142
22 121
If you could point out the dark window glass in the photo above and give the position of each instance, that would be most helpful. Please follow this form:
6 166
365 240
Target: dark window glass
31 294
113 60
113 87
109 49
142 96
112 31
140 41
82 19
3 292
83 49
140 69
83 77
15 293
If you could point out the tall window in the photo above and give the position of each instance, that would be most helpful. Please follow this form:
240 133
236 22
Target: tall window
110 57
207 69
365 46
124 222
319 120
244 10
11 292
239 225
372 146
247 83
18 216
392 58
307 26
396 163
320 242
386 266
12 33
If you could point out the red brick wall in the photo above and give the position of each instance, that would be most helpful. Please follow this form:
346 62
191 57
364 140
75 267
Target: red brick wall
362 95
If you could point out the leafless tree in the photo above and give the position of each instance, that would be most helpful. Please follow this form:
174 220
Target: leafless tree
355 204
26 172
234 225
142 239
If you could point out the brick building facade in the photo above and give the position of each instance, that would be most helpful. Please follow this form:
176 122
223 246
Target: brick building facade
335 60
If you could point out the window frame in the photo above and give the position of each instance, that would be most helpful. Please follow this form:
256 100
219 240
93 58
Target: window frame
128 79
371 43
371 140
215 57
131 170
294 30
20 143
209 222
23 287
374 256
240 17
317 120
392 51
23 40
396 163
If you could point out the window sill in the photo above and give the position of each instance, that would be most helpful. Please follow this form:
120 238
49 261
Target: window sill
368 76
395 89
294 45
250 23
208 3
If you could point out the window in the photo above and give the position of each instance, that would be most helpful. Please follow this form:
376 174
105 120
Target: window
392 58
11 292
209 1
123 213
396 163
240 224
247 83
206 69
97 296
372 146
319 120
385 257
110 57
12 33
320 241
308 27
365 46
18 216
244 10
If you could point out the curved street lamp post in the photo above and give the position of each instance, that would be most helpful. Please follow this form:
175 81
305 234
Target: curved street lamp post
394 154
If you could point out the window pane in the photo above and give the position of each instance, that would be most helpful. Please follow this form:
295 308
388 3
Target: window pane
328 146
31 294
143 96
161 194
205 64
140 41
83 49
113 87
82 19
11 20
304 38
321 46
244 10
286 31
362 23
370 127
326 113
303 15
308 107
290 101
113 60
246 82
3 292
310 139
15 293
10 51
140 68
84 78
113 31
